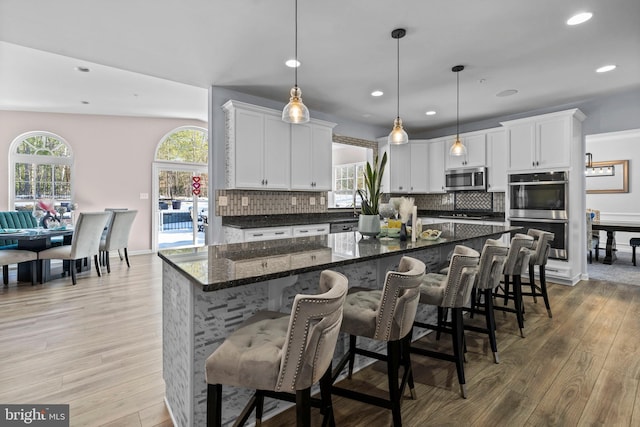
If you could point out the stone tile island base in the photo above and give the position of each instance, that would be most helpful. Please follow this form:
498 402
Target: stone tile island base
195 323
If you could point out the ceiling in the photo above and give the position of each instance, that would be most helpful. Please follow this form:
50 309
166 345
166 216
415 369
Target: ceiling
151 58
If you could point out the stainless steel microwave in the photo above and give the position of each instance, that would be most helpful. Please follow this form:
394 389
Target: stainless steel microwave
467 179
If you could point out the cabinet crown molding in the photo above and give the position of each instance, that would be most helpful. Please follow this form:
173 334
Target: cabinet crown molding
572 112
233 104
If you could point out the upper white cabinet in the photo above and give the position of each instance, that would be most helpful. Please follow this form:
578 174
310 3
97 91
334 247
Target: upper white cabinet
542 142
311 156
407 167
497 160
476 151
265 153
436 166
419 166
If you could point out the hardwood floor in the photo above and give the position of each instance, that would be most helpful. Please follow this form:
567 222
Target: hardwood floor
97 346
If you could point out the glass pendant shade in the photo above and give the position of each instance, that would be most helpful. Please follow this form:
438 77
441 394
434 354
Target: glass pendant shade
295 111
398 135
458 149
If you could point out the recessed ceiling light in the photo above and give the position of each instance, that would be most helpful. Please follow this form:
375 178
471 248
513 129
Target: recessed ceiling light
85 102
292 63
579 18
430 113
83 69
606 68
377 93
507 92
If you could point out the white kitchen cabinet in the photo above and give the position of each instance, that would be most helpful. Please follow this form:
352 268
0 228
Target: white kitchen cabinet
541 142
266 233
316 257
407 167
310 230
419 167
497 161
399 168
311 156
476 151
436 166
257 142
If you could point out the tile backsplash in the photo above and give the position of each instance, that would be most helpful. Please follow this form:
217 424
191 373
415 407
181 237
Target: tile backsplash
461 201
270 202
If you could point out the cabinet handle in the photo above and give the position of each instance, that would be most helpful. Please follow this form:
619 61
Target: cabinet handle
303 231
279 232
320 229
537 163
266 182
262 182
533 163
257 234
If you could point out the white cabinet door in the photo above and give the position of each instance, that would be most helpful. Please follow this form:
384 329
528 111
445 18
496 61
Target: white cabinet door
521 145
267 233
277 136
436 166
249 149
301 158
400 168
419 167
475 157
497 161
553 143
321 164
310 230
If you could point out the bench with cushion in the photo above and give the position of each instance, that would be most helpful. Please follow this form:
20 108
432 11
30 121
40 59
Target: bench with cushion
15 220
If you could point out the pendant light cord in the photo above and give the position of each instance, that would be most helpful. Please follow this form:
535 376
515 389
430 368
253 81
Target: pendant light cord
296 43
398 79
457 105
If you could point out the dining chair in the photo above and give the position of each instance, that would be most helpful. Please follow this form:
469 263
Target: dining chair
84 243
281 355
15 256
117 235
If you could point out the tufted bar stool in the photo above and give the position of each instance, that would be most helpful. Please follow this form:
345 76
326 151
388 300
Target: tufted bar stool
539 256
450 292
385 314
281 355
492 261
517 260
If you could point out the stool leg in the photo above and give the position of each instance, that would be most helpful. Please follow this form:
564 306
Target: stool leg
325 395
633 255
393 364
506 289
532 282
491 324
259 408
303 408
352 354
406 362
214 405
543 287
517 288
458 343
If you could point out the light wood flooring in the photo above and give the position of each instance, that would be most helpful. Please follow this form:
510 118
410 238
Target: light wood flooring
97 346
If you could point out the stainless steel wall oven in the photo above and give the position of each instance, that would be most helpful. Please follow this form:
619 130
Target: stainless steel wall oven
541 201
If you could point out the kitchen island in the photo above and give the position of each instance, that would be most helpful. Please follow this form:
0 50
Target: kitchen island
209 291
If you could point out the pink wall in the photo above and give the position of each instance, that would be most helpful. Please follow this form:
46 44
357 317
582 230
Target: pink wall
113 157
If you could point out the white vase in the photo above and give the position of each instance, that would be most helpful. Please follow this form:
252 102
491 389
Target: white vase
369 225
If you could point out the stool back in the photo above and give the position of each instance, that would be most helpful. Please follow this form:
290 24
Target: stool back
463 268
399 301
313 330
541 246
492 261
518 255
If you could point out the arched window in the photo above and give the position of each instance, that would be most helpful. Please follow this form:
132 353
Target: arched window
41 168
184 145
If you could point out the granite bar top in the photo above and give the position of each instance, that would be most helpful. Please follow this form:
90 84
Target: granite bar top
224 266
261 221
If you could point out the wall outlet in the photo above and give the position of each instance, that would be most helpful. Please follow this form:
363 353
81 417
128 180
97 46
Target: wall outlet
294 201
223 201
245 201
322 201
144 196
312 201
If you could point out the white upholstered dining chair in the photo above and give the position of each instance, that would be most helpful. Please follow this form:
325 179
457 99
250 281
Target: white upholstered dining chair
117 235
15 256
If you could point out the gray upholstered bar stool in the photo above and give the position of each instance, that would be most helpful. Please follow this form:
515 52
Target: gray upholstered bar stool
16 256
492 261
517 260
385 314
281 355
539 256
450 292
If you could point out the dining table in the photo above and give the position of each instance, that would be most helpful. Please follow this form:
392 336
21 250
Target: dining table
611 227
36 240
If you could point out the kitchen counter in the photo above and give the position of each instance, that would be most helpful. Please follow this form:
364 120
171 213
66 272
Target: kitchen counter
207 292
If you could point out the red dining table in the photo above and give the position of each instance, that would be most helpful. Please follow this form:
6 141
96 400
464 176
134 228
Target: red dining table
36 239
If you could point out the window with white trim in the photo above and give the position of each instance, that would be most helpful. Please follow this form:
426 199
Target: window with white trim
347 179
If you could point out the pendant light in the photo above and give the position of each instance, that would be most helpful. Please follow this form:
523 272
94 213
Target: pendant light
398 134
295 111
458 148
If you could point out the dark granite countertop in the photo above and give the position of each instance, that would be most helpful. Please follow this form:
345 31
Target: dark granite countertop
223 266
260 221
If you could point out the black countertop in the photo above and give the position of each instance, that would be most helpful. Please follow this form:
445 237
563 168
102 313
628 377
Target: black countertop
223 266
260 221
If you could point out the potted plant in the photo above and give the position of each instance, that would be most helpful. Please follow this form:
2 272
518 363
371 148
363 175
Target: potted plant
369 220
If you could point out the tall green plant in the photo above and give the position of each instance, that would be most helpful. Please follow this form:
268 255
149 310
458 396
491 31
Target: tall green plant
372 182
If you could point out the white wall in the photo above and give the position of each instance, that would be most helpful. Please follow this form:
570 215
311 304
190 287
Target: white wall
113 157
624 145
